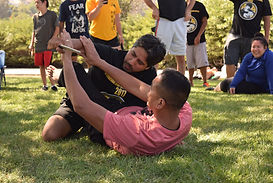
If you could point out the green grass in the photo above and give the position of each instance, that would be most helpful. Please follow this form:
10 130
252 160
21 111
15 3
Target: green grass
230 141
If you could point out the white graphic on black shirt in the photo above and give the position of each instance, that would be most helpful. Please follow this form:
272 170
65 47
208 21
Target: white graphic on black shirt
77 23
192 25
248 11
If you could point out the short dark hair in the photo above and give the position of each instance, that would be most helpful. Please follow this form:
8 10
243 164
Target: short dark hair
47 3
153 46
174 87
260 37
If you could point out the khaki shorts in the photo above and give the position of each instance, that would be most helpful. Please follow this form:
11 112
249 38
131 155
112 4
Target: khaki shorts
197 56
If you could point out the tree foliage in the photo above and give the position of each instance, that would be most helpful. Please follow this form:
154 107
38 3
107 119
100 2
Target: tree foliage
137 20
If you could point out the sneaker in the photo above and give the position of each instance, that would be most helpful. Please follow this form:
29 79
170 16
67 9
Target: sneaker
45 88
210 88
205 84
54 88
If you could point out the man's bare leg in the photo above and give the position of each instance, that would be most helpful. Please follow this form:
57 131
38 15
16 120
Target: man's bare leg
230 70
181 65
43 75
204 73
191 72
55 128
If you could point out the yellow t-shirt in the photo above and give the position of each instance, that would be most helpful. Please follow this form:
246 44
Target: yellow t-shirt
104 26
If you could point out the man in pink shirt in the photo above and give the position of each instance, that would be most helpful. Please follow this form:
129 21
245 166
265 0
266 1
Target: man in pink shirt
133 130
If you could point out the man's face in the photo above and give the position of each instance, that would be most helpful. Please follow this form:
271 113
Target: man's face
39 4
135 60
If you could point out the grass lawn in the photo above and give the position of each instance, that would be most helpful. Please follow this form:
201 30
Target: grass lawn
230 141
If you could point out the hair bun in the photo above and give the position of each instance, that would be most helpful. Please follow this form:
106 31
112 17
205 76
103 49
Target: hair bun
258 34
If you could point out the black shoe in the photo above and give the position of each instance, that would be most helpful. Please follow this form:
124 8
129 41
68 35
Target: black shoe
54 88
45 88
210 88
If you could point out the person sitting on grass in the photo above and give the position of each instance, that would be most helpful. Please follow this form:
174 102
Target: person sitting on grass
138 61
255 74
133 130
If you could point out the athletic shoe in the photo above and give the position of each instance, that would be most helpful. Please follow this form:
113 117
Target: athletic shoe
54 88
210 88
45 88
205 84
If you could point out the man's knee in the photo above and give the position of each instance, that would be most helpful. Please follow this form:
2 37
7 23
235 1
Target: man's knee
55 128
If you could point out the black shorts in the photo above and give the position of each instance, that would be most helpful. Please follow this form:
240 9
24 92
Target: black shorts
76 122
66 111
113 42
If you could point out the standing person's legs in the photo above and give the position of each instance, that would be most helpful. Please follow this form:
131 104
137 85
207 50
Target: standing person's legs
200 53
47 57
245 47
230 70
180 63
190 62
204 73
178 45
231 54
191 72
164 31
39 61
43 74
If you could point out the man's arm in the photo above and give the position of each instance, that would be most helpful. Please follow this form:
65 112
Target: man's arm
130 83
61 25
266 27
119 30
31 45
154 8
90 111
190 4
94 13
201 31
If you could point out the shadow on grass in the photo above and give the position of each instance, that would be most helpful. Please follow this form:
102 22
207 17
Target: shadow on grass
76 159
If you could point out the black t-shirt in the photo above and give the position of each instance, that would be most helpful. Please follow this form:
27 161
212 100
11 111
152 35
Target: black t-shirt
193 27
172 9
104 83
248 15
73 14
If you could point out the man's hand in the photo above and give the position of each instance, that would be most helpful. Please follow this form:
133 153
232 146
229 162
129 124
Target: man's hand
54 42
53 73
196 40
91 55
232 90
155 14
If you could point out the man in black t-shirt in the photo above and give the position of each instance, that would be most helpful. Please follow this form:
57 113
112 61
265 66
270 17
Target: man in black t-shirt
138 61
196 42
72 16
246 22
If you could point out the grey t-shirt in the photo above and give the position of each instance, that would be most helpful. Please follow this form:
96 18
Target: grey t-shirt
44 28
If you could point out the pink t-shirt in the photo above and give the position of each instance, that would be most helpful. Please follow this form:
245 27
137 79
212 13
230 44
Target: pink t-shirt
142 134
